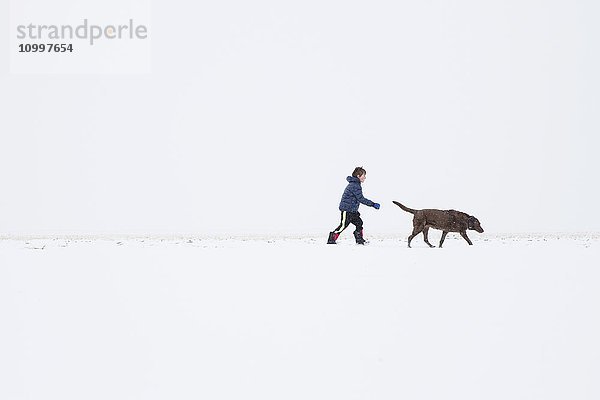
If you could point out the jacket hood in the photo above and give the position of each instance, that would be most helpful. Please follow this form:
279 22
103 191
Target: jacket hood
353 179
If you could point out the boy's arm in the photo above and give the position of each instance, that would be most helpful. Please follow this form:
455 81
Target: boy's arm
359 196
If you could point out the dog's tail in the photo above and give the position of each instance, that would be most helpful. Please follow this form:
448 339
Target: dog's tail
410 210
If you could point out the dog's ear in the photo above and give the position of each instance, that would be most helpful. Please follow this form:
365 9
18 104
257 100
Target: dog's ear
471 221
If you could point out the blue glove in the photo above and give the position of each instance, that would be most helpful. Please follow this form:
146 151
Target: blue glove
377 205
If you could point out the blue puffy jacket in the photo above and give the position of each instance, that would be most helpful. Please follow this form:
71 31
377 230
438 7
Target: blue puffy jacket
353 196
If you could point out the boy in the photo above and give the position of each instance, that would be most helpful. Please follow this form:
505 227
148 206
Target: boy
351 199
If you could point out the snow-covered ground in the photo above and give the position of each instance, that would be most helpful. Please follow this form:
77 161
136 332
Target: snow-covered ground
511 317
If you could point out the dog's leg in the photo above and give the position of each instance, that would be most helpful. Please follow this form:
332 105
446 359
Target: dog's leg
443 237
425 233
416 231
464 234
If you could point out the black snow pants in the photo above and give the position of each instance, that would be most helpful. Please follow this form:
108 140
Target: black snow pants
348 218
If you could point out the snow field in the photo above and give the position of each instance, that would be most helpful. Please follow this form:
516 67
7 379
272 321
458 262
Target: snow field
513 316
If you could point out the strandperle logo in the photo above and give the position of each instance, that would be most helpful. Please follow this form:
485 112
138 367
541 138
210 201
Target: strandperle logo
87 31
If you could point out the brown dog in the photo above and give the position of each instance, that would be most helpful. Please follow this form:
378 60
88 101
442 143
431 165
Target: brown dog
444 220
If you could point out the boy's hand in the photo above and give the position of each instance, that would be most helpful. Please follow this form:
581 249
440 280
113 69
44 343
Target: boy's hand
377 205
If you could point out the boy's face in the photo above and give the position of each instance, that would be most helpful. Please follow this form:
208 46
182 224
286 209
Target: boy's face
362 178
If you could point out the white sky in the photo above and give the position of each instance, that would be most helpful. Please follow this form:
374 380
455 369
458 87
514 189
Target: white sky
255 113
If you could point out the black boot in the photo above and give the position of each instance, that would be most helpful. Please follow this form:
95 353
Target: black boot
332 237
358 235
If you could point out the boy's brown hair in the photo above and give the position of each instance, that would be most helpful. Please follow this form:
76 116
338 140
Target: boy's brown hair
358 171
